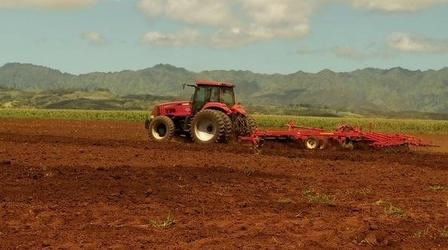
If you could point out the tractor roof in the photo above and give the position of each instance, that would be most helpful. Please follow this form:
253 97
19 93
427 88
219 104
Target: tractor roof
214 84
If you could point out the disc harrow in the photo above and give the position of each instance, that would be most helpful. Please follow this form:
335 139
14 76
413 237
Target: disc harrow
345 136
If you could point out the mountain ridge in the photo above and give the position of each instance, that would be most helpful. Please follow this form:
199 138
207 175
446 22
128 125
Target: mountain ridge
384 90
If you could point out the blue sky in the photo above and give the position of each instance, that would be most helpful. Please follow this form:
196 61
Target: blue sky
268 36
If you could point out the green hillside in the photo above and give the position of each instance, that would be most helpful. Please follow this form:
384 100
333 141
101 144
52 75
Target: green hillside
366 91
99 99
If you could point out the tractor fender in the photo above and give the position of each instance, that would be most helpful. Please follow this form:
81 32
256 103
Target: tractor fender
218 106
239 109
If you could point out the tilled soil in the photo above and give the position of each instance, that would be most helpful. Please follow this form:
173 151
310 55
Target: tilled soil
93 184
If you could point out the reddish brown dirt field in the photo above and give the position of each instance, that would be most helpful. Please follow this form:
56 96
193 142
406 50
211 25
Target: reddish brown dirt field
91 184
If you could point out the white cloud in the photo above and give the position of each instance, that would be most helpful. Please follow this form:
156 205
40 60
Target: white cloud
396 5
280 18
413 43
237 22
231 23
177 39
195 12
94 37
395 43
46 4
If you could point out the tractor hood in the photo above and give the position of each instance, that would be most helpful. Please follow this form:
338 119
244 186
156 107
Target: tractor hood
178 108
174 103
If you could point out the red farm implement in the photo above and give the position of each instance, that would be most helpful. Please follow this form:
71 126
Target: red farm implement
346 136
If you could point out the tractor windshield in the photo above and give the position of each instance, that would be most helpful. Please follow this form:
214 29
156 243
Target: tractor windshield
227 96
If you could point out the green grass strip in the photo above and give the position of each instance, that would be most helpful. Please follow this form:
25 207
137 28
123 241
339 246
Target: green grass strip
266 121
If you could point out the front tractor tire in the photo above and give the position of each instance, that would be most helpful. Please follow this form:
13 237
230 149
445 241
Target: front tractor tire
161 129
209 126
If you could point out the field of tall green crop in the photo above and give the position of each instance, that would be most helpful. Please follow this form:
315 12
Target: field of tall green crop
377 124
69 114
264 121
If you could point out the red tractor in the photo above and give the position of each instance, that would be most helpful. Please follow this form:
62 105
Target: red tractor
212 116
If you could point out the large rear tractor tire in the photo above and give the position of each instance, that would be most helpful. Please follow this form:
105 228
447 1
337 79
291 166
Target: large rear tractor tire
228 128
208 126
161 129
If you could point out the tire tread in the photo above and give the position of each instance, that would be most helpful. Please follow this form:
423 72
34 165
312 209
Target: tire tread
169 125
221 125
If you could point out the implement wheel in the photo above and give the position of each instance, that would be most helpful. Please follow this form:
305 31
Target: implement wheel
312 143
348 145
208 126
161 129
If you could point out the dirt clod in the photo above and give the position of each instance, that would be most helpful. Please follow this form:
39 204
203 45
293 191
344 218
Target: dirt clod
6 162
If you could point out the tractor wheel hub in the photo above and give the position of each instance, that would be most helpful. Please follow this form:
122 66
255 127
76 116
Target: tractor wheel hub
205 130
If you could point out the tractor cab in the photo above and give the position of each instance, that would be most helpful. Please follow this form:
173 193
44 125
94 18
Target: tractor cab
209 93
